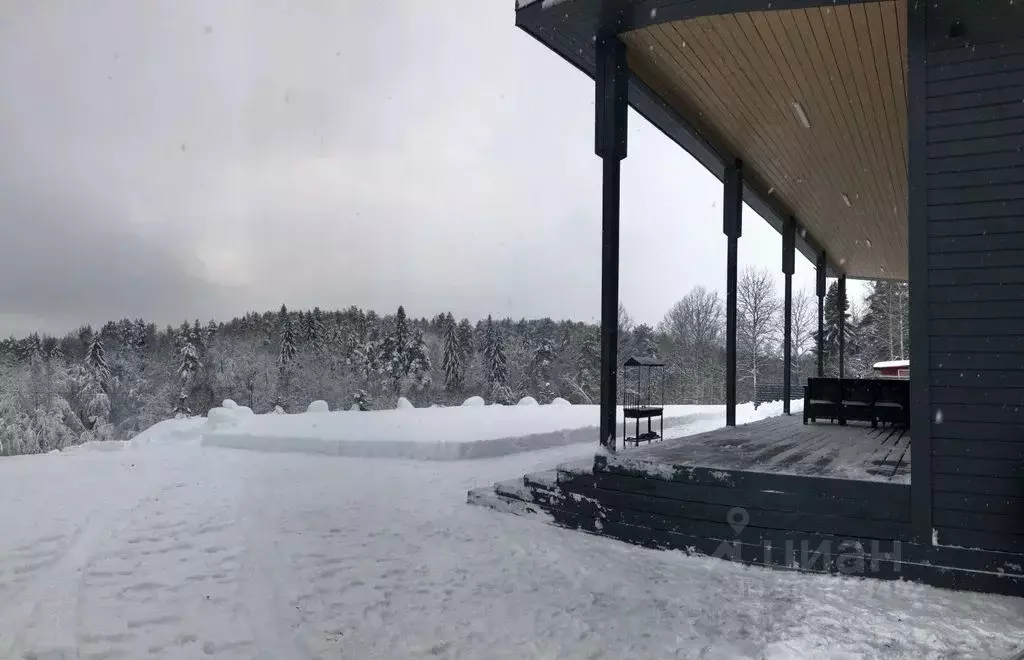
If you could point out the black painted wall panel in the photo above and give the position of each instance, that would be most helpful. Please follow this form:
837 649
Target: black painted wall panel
975 233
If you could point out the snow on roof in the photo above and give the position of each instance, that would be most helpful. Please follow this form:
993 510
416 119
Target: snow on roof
890 364
544 3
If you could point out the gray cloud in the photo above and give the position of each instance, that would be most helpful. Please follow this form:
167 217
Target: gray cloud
190 159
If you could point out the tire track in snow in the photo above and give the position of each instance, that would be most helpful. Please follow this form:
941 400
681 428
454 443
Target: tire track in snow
274 609
57 584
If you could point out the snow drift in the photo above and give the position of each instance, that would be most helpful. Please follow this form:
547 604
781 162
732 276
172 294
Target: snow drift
463 432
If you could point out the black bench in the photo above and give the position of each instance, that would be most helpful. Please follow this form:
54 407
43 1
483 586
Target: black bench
858 399
892 402
822 399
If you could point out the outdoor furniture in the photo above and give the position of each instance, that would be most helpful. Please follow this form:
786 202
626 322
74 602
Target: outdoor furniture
858 402
822 399
875 400
643 398
892 402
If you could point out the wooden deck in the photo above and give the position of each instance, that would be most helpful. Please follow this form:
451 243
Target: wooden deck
819 498
784 445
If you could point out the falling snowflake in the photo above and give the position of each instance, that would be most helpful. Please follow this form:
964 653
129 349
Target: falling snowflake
938 416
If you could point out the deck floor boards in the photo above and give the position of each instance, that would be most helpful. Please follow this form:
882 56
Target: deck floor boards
785 445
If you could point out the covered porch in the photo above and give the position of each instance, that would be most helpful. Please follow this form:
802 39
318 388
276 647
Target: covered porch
881 139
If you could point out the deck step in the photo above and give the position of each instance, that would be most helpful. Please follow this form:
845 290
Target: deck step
547 479
489 496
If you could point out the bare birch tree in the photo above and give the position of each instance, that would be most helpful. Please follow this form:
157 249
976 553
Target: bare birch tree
757 312
804 327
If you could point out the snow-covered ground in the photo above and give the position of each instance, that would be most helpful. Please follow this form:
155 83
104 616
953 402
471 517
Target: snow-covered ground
465 432
166 548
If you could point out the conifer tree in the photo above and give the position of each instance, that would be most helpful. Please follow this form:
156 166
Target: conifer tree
453 356
96 360
466 338
494 352
419 361
832 328
287 352
396 354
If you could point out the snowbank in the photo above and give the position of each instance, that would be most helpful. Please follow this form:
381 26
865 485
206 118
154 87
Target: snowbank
184 430
527 401
424 433
171 431
404 404
473 402
318 407
464 432
559 401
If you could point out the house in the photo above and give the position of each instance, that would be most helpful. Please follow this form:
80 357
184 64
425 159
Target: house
892 368
883 139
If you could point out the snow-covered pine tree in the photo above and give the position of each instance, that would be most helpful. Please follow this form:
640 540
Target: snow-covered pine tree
188 366
188 359
396 358
453 356
96 360
494 351
419 361
288 338
832 317
316 331
466 339
487 341
199 337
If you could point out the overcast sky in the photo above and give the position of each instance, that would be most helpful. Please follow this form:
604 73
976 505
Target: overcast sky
187 159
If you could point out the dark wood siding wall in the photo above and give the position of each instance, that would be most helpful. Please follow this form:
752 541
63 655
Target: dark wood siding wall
974 118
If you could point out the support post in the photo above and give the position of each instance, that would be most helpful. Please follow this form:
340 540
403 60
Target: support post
821 269
841 304
788 266
732 225
610 145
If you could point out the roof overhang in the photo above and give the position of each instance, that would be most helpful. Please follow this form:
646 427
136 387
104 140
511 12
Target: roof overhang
810 95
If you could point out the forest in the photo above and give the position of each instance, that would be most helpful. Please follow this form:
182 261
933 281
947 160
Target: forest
113 382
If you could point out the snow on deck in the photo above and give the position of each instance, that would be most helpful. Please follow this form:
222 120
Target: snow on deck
785 445
173 550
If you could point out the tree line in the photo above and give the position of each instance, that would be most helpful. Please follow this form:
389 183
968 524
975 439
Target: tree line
116 381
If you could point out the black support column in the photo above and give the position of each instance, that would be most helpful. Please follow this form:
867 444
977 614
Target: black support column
820 273
610 144
788 265
841 303
732 225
